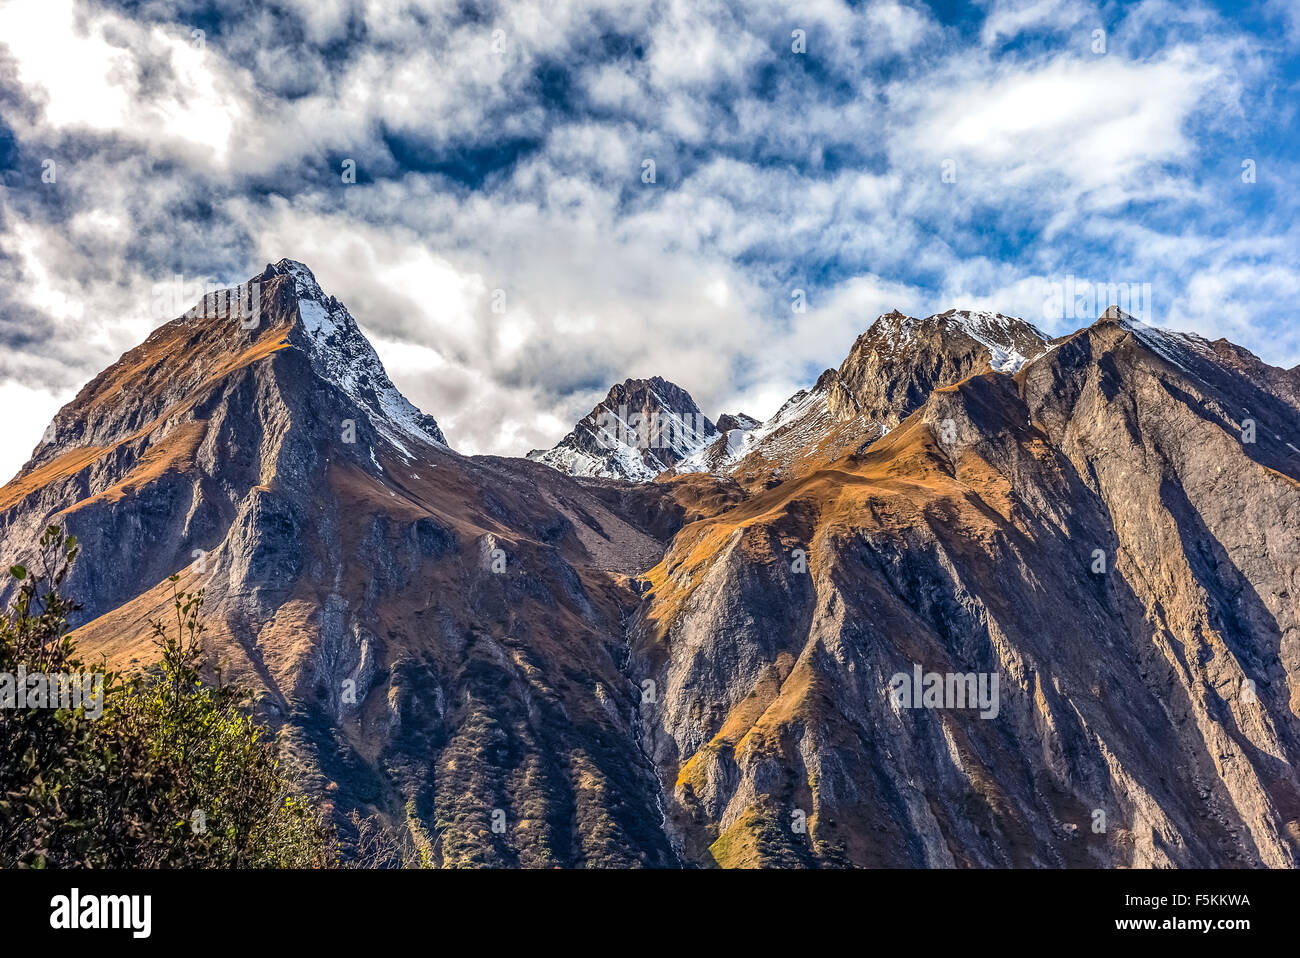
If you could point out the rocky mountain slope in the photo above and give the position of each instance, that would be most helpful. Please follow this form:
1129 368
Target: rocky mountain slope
525 667
888 373
1093 531
438 637
719 455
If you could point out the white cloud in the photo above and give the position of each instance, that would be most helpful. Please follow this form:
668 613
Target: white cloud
1007 19
1091 126
26 413
87 70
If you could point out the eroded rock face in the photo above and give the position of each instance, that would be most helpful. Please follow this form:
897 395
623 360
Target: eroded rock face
527 668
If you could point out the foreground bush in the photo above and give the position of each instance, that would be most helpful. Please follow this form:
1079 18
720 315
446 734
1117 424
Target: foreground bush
172 773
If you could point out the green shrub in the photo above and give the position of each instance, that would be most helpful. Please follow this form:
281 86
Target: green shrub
173 773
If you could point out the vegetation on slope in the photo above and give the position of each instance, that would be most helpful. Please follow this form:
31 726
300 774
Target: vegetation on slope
162 771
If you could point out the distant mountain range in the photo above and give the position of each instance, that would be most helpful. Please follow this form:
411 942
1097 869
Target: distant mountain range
978 597
646 428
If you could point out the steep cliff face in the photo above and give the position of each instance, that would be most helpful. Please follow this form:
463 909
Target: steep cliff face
530 668
1093 532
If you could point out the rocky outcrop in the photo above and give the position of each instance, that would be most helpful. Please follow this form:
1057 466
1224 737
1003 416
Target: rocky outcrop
899 360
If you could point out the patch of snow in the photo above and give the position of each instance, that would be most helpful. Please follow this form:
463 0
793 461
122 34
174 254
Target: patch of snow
706 459
340 353
628 447
1166 344
621 462
791 431
316 319
998 334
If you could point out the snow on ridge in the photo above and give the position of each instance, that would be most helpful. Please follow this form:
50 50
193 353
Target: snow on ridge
1169 344
304 280
316 319
634 433
803 414
624 459
702 460
620 462
996 332
340 353
1154 335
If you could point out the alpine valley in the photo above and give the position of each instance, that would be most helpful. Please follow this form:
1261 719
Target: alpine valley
678 645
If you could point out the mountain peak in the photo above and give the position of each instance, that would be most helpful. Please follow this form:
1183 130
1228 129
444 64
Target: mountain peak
341 354
900 359
1115 314
729 421
304 280
1010 341
181 364
641 428
767 608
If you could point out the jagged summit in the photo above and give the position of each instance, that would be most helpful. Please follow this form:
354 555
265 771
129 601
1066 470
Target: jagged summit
729 421
287 293
641 428
257 453
1010 342
304 280
341 354
228 338
896 363
890 370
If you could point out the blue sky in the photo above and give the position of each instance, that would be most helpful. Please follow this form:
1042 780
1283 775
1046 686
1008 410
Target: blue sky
873 155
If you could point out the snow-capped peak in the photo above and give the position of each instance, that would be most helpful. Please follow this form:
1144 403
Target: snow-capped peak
1171 345
341 354
304 281
641 428
1011 342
